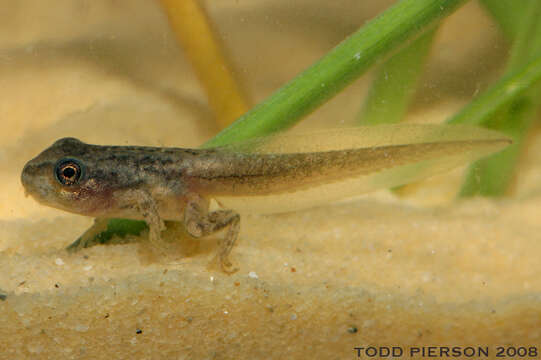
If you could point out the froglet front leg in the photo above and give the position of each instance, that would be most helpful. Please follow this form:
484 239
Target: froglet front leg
136 201
146 206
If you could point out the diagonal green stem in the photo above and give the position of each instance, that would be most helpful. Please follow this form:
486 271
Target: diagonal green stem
508 13
346 62
395 83
506 90
492 176
320 82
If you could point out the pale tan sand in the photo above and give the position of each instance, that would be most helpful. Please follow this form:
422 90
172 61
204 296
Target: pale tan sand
380 270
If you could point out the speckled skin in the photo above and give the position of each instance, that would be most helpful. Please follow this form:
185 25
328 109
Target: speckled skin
130 182
157 184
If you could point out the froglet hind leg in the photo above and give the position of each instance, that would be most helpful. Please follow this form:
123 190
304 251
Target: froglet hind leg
199 222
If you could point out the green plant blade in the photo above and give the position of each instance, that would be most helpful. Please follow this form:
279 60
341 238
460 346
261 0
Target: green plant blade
395 83
319 83
493 176
337 69
485 106
509 14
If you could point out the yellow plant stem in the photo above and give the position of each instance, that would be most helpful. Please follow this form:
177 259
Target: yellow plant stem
193 30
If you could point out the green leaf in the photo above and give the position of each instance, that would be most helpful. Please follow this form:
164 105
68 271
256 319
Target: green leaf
395 83
493 176
337 69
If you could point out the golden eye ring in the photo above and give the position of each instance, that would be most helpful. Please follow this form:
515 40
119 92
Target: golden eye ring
68 171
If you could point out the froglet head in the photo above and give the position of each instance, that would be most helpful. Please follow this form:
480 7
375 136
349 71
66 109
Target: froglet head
58 177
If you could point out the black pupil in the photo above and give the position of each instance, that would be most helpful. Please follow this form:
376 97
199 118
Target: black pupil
69 172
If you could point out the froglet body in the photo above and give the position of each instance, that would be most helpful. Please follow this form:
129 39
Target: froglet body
157 184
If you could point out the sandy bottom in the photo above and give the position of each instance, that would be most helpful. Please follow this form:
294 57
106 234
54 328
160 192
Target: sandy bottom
407 271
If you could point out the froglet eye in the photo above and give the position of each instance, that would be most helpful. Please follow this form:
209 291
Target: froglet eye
68 171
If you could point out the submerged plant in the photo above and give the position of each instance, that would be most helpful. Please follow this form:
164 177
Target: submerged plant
405 31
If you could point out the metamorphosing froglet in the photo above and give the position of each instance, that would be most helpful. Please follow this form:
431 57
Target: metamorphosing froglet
273 174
